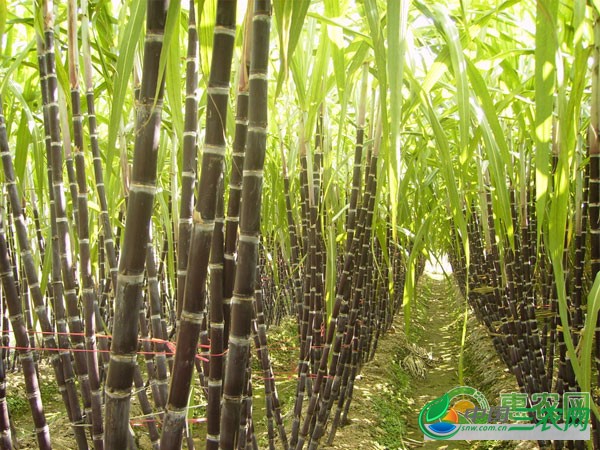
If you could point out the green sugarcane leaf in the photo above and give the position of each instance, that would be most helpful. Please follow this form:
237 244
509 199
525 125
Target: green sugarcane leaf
397 16
340 23
289 17
17 63
207 15
3 16
339 63
409 294
282 13
452 38
17 92
456 200
587 339
545 78
299 10
563 309
129 40
297 71
359 57
371 11
333 9
23 141
169 52
316 84
388 155
434 74
330 270
173 79
497 150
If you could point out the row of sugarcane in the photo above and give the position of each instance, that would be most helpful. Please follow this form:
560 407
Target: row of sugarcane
512 288
527 258
219 305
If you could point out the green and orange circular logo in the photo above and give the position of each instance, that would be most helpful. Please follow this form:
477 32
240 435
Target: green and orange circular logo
441 418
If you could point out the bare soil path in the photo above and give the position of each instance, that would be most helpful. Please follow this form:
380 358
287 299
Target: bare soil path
441 336
436 328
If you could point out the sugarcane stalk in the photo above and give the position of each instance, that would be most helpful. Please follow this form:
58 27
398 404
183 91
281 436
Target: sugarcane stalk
217 347
61 365
135 242
90 300
32 388
235 178
194 303
63 234
190 156
594 188
5 431
146 408
105 221
259 330
248 244
160 381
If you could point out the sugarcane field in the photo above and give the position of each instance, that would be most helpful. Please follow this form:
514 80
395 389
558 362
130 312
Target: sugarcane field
299 224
